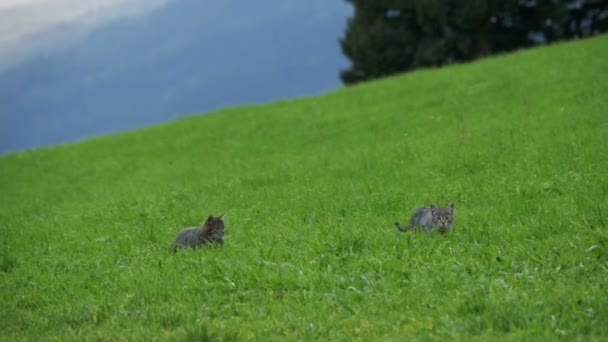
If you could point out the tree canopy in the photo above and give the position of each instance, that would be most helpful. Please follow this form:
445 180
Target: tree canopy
385 37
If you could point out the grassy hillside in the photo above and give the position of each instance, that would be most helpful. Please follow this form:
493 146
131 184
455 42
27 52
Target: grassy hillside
310 189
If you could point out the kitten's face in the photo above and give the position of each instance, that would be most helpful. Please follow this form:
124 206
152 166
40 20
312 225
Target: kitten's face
442 217
215 227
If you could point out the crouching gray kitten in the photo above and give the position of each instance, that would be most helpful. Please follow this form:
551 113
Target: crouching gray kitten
429 217
210 232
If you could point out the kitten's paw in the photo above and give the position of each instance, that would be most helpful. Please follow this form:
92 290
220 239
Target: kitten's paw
399 228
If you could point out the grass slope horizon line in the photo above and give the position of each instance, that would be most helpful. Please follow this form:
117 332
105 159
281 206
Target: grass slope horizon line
305 97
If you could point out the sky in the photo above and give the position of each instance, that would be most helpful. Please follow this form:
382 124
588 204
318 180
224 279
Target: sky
32 27
72 69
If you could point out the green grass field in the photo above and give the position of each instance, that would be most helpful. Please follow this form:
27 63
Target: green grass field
311 188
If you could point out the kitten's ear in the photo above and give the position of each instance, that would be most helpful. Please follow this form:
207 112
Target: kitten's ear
209 218
221 217
451 206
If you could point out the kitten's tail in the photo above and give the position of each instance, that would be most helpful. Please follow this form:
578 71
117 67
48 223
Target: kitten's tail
402 228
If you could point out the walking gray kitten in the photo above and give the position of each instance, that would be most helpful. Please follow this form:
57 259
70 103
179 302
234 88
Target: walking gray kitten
210 232
429 217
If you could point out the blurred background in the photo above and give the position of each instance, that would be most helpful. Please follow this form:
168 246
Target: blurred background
71 69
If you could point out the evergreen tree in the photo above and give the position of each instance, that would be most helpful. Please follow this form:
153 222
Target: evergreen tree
385 37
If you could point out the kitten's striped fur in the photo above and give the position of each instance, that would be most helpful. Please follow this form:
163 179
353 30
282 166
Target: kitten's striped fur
429 217
210 232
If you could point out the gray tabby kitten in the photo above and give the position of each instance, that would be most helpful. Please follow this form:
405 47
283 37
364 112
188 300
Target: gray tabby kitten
429 217
211 232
